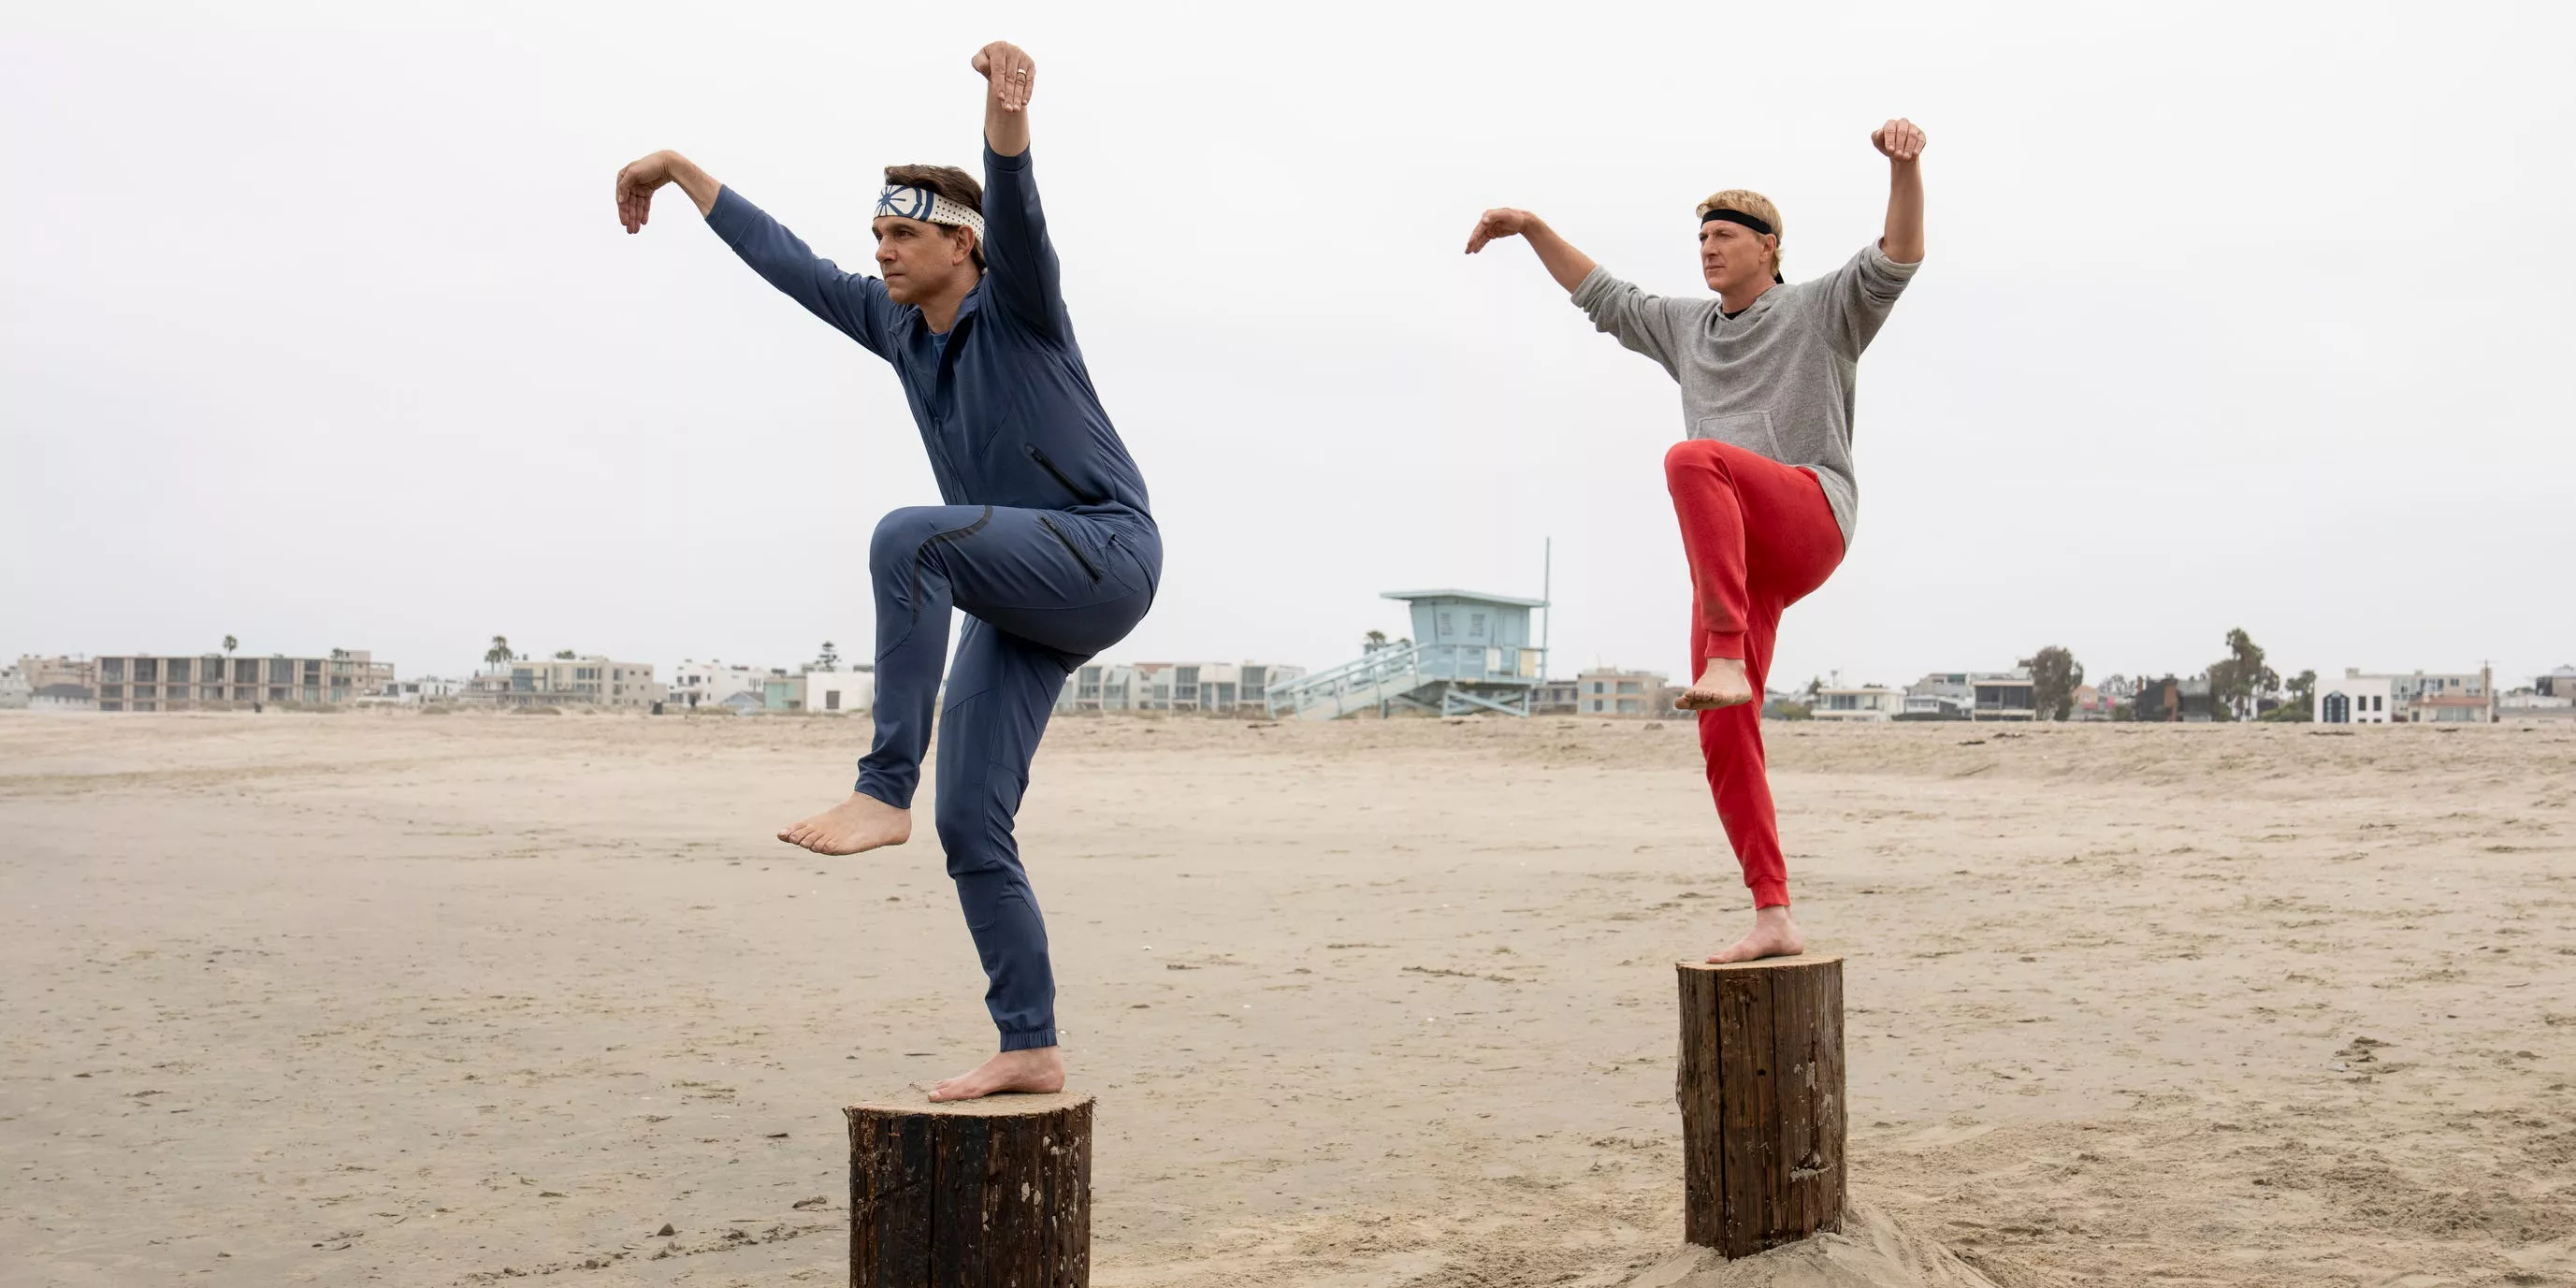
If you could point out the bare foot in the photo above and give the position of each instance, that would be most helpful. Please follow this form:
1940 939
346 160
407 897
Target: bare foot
1723 684
1037 1069
860 823
1774 935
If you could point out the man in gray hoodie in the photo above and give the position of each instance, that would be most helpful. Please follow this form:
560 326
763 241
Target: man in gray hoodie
1763 482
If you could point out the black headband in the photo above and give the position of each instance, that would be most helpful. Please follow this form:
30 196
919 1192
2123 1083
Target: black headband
1739 217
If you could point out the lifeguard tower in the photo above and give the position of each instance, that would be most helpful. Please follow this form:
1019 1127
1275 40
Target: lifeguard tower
1470 652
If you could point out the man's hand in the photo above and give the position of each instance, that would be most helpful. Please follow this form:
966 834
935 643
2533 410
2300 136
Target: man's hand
637 182
1899 140
1501 222
1564 263
1013 73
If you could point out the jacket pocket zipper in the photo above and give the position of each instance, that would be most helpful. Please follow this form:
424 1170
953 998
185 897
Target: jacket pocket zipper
1049 466
1070 548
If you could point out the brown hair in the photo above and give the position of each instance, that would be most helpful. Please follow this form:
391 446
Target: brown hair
946 181
1744 202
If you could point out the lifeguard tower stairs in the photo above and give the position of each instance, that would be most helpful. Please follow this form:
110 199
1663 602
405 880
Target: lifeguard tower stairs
1470 652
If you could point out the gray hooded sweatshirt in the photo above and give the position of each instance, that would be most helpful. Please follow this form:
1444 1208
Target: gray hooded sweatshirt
1776 379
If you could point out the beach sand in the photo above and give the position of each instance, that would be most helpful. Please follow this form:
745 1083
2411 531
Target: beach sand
419 999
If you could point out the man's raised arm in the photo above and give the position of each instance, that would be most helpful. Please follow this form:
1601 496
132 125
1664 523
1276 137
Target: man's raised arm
854 303
1024 275
1901 141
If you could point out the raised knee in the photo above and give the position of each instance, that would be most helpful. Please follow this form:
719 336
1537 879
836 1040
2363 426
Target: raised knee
900 534
1691 454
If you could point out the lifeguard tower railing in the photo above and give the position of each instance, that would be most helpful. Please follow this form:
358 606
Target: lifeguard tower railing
1451 679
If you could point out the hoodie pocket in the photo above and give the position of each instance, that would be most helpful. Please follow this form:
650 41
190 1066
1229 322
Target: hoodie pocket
1040 456
1750 430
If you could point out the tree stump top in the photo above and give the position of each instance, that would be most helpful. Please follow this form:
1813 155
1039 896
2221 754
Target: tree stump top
1764 963
915 1100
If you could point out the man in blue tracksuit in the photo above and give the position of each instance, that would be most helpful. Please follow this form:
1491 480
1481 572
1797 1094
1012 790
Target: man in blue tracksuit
1045 539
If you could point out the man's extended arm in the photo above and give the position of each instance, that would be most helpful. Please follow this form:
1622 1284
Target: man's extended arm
1902 142
855 303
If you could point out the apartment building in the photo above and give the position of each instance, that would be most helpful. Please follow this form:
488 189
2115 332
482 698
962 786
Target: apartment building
214 682
1216 688
1607 691
575 681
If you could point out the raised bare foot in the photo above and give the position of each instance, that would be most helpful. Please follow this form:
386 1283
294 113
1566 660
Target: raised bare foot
1037 1069
1774 935
1722 684
860 823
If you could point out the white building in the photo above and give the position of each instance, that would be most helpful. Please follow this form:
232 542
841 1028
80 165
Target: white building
14 689
2356 699
63 697
1212 687
2427 697
1868 702
1941 695
708 683
840 692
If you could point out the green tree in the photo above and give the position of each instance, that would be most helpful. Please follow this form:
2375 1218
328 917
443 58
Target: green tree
2240 681
2299 701
230 644
499 654
564 655
1376 641
2054 675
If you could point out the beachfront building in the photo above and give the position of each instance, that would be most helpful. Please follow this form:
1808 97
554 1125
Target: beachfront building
2420 697
1211 688
1611 691
1940 695
415 692
2355 699
1868 702
2003 695
851 692
2549 697
214 682
63 697
709 683
14 689
1556 698
593 681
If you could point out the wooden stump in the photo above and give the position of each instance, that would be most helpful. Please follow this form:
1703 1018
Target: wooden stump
1760 1083
981 1192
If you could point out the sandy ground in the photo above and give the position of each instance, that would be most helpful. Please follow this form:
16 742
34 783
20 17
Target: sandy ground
449 1000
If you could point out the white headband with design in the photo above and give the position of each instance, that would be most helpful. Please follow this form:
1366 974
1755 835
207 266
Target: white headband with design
921 203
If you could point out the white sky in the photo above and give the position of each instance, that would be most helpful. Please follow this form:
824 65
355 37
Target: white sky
318 329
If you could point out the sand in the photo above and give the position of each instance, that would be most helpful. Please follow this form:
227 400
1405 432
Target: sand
408 999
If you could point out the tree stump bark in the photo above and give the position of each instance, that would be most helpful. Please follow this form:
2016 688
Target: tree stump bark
981 1192
1760 1083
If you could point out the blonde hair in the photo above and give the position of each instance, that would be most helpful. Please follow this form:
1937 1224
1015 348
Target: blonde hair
1746 202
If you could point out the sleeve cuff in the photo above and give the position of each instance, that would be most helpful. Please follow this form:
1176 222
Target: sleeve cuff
1877 259
1594 285
729 213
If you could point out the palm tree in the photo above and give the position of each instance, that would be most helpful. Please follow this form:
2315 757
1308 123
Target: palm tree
230 644
1376 641
498 655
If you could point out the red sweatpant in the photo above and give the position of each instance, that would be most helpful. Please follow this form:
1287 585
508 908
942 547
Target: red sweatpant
1760 537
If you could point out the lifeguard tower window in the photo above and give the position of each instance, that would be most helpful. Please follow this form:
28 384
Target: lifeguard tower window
1444 625
1476 625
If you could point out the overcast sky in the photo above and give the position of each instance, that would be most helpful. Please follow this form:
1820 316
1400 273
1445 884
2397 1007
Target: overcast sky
319 329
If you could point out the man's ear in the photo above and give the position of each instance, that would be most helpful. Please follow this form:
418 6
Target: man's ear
962 243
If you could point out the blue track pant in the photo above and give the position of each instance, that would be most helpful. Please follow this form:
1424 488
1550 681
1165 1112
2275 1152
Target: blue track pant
1043 590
